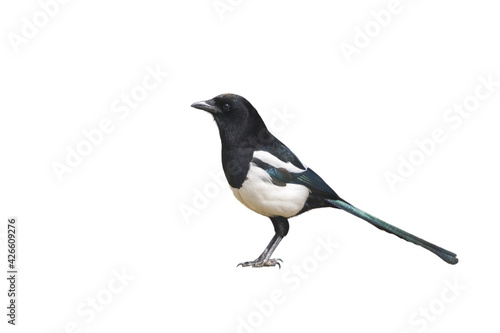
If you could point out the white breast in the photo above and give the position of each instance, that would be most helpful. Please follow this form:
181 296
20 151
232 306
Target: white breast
259 194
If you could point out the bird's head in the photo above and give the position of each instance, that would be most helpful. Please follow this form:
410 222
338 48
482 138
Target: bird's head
234 115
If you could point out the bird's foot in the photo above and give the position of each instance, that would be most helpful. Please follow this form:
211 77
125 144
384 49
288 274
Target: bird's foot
261 263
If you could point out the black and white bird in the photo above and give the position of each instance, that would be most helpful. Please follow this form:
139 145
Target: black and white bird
269 179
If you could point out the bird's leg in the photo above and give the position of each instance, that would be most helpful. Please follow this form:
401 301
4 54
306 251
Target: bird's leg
264 260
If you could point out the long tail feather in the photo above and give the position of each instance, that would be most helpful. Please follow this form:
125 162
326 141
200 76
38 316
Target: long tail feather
446 255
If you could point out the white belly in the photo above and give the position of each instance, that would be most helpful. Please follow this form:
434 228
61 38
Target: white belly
259 194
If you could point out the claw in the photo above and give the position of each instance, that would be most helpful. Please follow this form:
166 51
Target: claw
261 263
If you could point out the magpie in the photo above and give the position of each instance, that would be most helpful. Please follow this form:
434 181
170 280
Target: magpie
269 179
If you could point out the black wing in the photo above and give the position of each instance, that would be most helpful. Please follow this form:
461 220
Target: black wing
278 149
308 178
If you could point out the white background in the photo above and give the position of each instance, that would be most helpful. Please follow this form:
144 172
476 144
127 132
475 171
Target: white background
120 208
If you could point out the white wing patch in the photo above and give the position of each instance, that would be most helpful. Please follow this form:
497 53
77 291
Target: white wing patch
259 194
270 159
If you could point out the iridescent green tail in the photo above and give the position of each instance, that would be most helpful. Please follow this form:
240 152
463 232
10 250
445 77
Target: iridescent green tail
449 257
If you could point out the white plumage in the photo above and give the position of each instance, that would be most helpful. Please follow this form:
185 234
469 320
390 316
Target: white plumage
270 159
259 194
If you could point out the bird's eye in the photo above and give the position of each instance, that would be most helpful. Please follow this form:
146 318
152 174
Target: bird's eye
226 107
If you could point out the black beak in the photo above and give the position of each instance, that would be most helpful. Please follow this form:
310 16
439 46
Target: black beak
208 106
